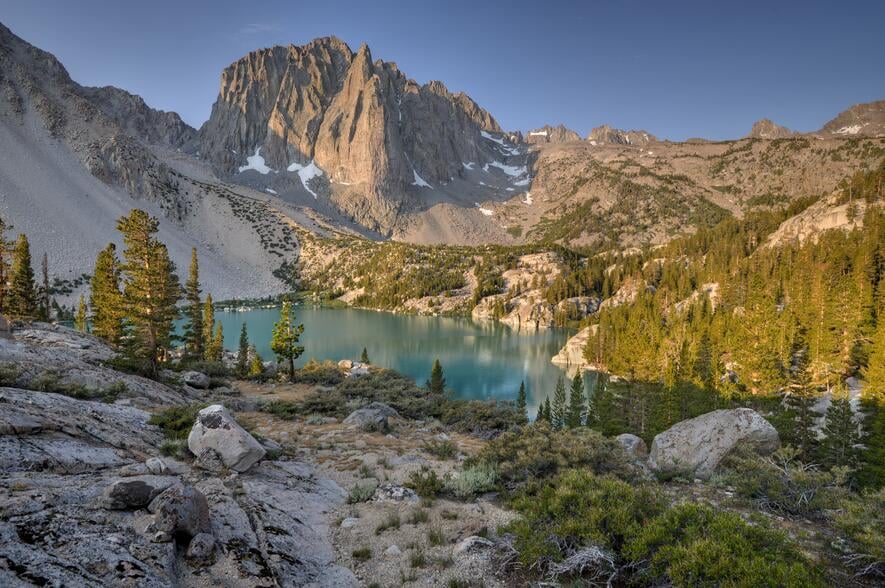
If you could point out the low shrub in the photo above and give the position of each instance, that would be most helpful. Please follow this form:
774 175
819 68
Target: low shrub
360 492
477 417
601 528
425 482
176 422
441 449
694 545
782 484
538 452
362 554
325 373
175 448
472 481
213 369
391 522
862 521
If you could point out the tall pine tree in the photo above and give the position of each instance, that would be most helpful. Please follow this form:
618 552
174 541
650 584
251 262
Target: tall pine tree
22 302
285 337
193 327
5 262
558 413
521 401
150 289
243 353
106 300
437 382
81 322
575 415
208 323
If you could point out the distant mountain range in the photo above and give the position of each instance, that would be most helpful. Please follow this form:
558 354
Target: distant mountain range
330 142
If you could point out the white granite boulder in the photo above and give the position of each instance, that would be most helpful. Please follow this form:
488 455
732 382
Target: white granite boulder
217 431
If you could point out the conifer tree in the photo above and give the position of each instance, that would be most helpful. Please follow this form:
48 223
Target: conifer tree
285 337
5 262
106 300
575 414
150 291
364 357
800 401
193 328
256 365
243 353
44 309
872 473
521 401
558 414
840 431
22 301
437 382
81 323
592 419
539 416
547 410
216 348
208 327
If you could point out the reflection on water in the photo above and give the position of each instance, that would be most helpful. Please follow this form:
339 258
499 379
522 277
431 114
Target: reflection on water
480 360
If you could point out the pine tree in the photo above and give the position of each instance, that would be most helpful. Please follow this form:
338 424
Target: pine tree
208 327
22 301
872 473
81 323
800 401
364 357
193 328
592 411
106 300
285 337
5 255
558 414
437 383
256 365
548 412
521 401
840 431
216 348
243 353
150 290
540 416
575 415
44 310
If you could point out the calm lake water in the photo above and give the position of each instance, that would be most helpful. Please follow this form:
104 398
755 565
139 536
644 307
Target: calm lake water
480 360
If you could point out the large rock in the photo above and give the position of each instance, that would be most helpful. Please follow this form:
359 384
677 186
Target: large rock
372 416
633 445
195 380
572 353
696 446
217 431
135 492
180 510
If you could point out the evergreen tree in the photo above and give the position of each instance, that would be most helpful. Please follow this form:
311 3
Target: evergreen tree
285 337
575 414
548 412
5 260
558 414
208 327
150 290
44 310
256 365
437 383
216 348
364 357
799 402
106 300
243 353
592 419
872 473
540 416
22 301
193 328
521 401
840 431
81 323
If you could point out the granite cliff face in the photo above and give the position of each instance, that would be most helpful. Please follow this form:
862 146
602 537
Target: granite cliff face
356 131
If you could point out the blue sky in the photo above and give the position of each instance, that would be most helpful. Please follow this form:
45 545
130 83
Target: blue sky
675 68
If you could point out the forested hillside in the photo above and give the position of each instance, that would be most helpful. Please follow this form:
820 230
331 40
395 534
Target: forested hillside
796 330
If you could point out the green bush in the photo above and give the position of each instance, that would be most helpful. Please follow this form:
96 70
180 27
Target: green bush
176 422
782 484
441 449
538 452
425 482
326 373
360 493
862 521
637 537
472 480
479 417
693 545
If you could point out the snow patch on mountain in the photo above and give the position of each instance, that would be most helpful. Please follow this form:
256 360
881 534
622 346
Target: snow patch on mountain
419 181
256 162
485 211
306 173
510 170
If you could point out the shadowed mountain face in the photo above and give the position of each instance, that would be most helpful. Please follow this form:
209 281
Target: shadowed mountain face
369 137
766 129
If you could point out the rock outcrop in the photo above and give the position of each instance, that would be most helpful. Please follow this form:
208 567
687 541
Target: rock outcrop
608 135
548 134
216 431
696 446
572 353
866 120
633 445
766 129
374 416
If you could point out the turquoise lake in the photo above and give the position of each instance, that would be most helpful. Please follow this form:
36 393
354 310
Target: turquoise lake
480 360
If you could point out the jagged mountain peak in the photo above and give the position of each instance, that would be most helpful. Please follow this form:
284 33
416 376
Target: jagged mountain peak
866 119
767 129
550 134
606 134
